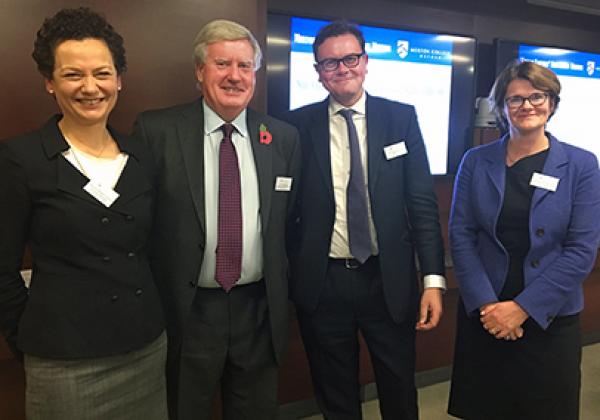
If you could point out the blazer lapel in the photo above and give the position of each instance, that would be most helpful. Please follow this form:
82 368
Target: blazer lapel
376 138
68 178
320 139
134 179
263 160
190 133
555 166
495 170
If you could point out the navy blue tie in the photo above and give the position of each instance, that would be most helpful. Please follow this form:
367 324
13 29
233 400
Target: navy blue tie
359 237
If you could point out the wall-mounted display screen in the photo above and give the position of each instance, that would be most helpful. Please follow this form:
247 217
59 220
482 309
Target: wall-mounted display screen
579 75
432 71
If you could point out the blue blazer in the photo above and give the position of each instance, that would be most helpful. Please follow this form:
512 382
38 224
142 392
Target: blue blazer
563 229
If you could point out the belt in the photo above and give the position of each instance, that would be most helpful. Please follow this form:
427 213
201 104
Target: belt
352 263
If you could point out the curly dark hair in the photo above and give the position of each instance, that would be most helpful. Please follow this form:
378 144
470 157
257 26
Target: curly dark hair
77 24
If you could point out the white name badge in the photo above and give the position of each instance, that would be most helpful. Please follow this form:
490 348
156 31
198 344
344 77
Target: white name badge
103 194
283 183
395 150
546 182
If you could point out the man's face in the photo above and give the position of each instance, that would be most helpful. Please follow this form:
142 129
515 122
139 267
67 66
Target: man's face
227 77
344 84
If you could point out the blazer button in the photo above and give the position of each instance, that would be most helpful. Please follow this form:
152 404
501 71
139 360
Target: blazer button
114 298
129 218
105 220
192 284
106 259
138 292
131 255
540 232
535 263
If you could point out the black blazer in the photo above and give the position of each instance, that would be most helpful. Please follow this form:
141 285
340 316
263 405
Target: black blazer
175 137
92 293
403 204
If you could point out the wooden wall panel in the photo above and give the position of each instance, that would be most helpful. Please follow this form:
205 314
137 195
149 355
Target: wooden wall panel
158 40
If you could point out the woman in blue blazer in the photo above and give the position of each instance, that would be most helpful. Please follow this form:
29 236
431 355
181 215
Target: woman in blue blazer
524 235
90 326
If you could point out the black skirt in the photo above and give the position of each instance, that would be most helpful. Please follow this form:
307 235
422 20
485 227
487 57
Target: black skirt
535 377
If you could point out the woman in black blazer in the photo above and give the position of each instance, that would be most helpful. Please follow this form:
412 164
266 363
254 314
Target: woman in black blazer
90 326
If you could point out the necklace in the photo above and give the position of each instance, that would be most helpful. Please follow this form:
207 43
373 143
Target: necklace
107 140
103 148
107 179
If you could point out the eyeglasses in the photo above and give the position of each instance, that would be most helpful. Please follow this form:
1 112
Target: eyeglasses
331 64
535 99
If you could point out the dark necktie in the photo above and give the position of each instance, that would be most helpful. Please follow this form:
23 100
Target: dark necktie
229 242
359 237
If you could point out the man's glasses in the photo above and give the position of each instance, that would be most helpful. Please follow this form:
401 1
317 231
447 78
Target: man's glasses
331 64
535 99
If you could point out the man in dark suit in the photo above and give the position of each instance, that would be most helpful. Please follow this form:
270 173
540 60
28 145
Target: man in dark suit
366 204
227 174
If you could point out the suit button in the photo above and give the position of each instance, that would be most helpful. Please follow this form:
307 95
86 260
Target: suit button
550 318
114 298
106 259
105 220
129 218
535 263
540 232
192 284
138 292
130 254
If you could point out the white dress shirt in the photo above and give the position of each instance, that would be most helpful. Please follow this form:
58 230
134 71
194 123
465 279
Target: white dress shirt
340 174
102 171
252 250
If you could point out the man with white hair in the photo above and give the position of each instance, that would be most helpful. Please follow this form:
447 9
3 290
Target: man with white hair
227 175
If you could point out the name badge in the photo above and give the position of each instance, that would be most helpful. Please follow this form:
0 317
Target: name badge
103 194
283 183
395 150
546 182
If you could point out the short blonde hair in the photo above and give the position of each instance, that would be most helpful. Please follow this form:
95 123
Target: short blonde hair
540 78
224 30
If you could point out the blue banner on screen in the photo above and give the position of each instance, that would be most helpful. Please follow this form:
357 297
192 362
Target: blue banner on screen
382 43
579 76
410 67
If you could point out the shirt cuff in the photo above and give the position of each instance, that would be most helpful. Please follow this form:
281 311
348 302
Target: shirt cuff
431 281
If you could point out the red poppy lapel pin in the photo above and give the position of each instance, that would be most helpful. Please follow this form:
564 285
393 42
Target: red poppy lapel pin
265 136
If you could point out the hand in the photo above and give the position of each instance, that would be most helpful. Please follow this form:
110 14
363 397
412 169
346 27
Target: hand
503 319
431 309
514 334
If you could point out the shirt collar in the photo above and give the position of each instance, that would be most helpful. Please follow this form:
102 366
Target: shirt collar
359 107
212 121
54 141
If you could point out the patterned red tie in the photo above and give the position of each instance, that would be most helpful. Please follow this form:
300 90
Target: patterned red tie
229 244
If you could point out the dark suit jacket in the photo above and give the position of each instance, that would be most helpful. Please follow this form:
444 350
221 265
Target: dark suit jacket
92 293
403 205
175 137
564 231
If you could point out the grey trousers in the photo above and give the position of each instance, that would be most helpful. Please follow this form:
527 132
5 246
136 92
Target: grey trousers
123 387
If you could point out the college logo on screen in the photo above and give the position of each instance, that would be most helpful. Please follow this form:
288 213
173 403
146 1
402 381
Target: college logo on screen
402 48
590 67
